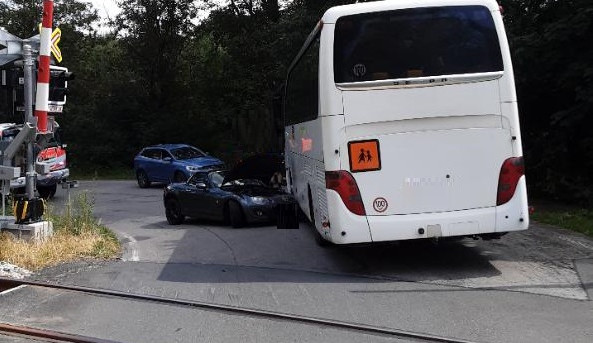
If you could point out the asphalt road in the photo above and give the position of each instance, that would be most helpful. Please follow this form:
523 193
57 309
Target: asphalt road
532 286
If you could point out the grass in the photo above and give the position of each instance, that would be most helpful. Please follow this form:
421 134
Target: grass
580 220
77 235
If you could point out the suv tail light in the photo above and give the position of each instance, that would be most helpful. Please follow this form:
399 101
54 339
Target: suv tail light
344 184
510 173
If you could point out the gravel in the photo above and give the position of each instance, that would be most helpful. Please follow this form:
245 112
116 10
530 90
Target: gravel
12 271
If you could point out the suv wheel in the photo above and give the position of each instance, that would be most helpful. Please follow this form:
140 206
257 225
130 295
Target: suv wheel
179 177
142 178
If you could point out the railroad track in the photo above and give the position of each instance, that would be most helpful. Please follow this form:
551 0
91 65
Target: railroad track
7 284
47 335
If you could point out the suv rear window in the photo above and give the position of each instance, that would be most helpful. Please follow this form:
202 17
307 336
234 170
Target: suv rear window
415 42
152 153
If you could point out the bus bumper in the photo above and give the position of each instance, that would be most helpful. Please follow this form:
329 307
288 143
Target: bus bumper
512 216
348 228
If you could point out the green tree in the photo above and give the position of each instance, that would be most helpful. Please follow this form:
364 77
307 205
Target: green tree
552 60
22 17
154 33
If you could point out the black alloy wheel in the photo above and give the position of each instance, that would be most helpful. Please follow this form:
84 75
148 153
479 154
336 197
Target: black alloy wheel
236 216
173 212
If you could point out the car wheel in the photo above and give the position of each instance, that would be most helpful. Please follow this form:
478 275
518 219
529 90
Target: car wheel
142 178
173 212
179 177
236 216
47 192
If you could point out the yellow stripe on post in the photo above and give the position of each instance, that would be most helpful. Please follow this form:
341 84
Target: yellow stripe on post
24 214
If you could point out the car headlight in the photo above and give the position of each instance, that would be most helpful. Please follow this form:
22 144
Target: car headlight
192 169
259 200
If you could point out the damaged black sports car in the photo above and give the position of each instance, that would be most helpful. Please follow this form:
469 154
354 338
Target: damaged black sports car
243 195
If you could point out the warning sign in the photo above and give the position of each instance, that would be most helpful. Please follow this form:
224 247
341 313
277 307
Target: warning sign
364 155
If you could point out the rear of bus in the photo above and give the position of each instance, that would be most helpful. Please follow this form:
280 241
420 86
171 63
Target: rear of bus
428 138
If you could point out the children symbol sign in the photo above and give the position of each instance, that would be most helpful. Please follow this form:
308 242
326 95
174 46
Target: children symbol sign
364 155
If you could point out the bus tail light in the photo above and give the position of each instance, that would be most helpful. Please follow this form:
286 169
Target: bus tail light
344 184
510 173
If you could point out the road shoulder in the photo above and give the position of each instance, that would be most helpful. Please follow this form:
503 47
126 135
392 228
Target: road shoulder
584 268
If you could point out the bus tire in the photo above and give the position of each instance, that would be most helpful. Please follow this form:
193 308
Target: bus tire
322 242
311 209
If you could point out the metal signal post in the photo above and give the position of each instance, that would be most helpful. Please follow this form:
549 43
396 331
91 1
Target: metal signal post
28 64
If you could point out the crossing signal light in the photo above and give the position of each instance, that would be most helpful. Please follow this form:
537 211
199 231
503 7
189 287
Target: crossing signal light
58 85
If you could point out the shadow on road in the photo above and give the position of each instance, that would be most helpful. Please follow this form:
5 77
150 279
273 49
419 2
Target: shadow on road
270 255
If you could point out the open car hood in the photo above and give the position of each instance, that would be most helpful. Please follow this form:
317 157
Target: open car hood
259 167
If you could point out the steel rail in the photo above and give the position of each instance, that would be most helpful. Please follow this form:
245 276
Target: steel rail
56 336
364 328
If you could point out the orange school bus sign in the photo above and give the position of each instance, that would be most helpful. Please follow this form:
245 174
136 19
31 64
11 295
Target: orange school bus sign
364 155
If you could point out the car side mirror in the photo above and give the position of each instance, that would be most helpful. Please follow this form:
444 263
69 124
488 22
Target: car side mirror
167 159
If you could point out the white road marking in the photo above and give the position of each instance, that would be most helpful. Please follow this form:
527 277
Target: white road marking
133 246
12 290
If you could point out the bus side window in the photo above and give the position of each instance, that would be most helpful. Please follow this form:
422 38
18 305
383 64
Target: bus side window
302 95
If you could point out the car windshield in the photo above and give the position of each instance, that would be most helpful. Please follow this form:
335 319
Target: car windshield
216 178
186 153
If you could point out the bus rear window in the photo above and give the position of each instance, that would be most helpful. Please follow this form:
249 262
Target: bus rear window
415 42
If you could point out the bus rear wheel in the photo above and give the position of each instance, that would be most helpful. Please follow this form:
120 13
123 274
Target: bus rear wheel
322 242
311 209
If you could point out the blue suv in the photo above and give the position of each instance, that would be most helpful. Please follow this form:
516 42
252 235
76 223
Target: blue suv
171 163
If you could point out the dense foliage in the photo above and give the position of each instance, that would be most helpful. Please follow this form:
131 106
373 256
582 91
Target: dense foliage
166 72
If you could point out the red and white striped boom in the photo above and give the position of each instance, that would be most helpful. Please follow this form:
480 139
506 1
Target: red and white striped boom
43 74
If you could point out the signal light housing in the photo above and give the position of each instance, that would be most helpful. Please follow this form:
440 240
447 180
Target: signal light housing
511 171
344 184
58 85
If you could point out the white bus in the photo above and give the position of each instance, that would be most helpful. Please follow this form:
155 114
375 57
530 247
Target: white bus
401 123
